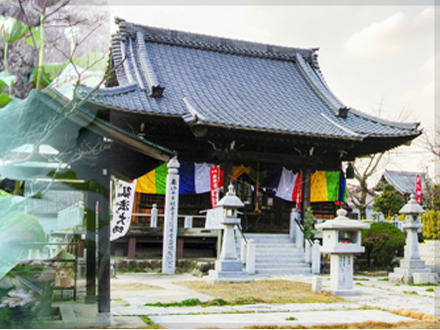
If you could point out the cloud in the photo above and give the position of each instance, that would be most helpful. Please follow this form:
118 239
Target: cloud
391 35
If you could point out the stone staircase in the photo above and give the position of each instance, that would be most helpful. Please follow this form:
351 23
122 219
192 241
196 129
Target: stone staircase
276 254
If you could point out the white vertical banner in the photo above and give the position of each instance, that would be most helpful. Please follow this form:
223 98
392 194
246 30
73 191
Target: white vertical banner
122 208
170 222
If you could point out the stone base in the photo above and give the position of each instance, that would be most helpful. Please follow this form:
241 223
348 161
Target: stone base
413 276
346 292
228 265
425 278
223 276
400 278
104 318
411 271
412 264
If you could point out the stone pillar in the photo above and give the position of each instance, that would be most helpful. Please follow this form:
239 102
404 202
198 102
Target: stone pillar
341 275
316 257
317 284
153 222
250 256
243 252
188 222
294 214
170 221
299 239
308 252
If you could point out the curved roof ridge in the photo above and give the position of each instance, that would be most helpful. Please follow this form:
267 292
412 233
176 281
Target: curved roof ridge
411 126
127 63
137 74
314 80
118 59
214 43
145 62
360 136
108 90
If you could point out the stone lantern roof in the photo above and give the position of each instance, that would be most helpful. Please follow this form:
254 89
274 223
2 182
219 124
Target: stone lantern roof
412 207
230 200
342 222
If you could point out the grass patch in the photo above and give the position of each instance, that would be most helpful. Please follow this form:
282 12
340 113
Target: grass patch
424 284
383 279
360 279
357 325
135 270
265 291
291 319
396 284
430 290
184 303
148 321
410 292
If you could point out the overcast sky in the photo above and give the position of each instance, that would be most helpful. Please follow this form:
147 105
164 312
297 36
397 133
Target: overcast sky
377 59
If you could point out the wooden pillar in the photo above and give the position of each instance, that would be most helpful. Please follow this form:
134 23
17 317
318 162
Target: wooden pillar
91 248
179 254
131 248
306 190
104 315
227 174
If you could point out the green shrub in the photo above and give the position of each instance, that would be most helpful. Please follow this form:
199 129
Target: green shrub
382 240
309 224
389 202
431 225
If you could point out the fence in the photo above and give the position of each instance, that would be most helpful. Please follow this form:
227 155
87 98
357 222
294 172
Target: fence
71 217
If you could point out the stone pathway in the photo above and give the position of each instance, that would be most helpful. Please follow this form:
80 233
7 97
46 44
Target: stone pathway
131 291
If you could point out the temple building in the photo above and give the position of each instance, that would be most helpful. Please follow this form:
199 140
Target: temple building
263 113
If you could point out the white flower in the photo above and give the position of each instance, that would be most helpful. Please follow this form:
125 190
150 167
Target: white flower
16 298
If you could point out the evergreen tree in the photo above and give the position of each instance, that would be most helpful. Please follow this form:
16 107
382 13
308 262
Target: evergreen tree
389 202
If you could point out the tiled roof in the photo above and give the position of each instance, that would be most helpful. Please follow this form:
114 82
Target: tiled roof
231 83
404 182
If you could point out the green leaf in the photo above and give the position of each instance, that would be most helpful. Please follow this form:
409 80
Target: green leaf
12 29
4 99
45 78
7 79
35 39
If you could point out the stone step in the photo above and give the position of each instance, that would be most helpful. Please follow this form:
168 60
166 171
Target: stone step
285 271
278 255
282 266
270 239
278 260
275 251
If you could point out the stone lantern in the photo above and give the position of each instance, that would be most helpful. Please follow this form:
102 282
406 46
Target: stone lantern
341 239
412 269
228 268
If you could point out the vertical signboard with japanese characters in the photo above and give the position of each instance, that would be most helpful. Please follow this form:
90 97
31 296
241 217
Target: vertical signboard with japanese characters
215 178
170 221
122 208
418 189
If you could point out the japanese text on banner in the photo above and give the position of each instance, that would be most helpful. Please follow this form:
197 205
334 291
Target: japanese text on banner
122 209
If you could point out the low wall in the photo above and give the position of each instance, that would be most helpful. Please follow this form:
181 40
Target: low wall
195 266
430 253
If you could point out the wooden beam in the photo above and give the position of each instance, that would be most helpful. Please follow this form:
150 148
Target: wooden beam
306 189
